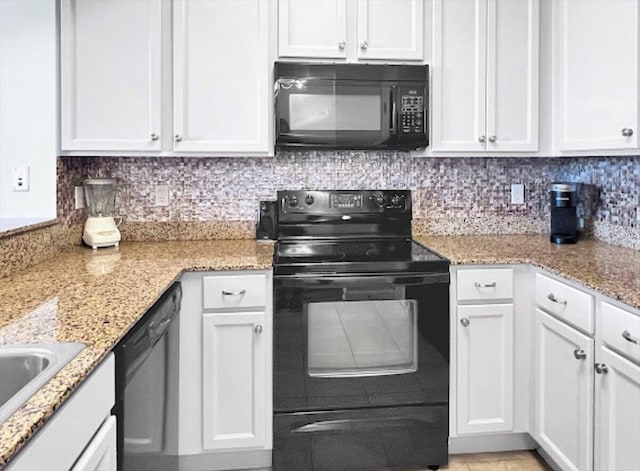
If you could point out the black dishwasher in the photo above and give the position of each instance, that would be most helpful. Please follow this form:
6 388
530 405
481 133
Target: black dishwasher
147 388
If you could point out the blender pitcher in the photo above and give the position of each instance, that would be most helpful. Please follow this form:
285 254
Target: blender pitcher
100 229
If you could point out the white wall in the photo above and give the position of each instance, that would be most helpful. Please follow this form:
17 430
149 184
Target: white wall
28 100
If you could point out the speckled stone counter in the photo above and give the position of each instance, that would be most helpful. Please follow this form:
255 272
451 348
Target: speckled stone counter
95 298
608 269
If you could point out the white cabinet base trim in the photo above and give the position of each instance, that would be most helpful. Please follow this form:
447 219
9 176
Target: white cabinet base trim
490 443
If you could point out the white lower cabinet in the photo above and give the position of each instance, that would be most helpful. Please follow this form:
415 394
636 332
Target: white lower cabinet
485 368
563 392
233 380
541 362
484 383
617 421
101 453
225 405
81 436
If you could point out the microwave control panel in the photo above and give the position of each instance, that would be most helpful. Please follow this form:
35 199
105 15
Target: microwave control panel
412 111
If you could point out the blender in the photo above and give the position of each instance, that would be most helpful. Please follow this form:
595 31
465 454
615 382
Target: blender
100 229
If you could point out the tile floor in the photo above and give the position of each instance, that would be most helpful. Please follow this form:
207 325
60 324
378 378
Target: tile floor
503 461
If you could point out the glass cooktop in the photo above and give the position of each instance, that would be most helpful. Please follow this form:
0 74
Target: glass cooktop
367 256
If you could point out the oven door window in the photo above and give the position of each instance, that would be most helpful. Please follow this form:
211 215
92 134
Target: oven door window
362 338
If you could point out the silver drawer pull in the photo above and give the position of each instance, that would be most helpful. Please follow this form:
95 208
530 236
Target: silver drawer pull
579 354
552 297
234 293
258 329
601 368
477 284
627 336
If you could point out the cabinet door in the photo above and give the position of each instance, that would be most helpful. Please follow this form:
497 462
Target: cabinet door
100 454
597 64
221 75
459 74
485 368
233 380
564 393
312 28
110 75
617 413
390 29
512 75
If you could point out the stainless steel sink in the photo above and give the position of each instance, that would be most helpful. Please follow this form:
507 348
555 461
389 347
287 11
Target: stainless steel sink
26 368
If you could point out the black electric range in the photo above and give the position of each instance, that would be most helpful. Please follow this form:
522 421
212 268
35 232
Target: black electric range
361 335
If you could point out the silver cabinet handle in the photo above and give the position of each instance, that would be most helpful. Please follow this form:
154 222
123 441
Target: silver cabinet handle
154 137
342 44
579 354
178 137
465 322
258 329
482 139
492 139
627 132
364 45
628 337
601 368
552 297
234 293
477 284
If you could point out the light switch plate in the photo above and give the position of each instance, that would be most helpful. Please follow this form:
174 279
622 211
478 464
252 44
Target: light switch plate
517 193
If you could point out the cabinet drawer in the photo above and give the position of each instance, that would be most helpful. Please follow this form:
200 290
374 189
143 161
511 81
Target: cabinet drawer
565 302
621 330
234 291
485 283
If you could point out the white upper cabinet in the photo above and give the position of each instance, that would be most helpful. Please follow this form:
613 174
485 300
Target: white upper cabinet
111 75
596 68
341 29
221 75
390 29
312 28
122 60
485 75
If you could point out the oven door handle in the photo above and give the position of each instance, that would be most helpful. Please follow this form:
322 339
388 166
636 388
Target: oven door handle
398 278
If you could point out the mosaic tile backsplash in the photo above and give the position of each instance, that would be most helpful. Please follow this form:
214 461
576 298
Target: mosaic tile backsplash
451 195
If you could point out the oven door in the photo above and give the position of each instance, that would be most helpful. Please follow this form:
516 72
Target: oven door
335 114
347 342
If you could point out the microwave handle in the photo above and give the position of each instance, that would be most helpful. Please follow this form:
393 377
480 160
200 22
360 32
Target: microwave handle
393 94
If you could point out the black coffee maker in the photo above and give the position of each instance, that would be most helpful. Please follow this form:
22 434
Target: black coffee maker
564 217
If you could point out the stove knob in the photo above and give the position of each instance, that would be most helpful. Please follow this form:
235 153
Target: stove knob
293 202
379 199
309 199
395 200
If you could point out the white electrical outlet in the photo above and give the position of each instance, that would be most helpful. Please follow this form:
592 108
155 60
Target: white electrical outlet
79 196
162 195
20 178
517 193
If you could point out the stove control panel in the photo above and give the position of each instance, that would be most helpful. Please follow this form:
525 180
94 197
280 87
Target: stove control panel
344 202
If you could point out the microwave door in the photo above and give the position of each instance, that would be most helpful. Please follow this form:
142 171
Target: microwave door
335 114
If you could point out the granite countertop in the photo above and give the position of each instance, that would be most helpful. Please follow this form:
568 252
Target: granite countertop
96 297
608 269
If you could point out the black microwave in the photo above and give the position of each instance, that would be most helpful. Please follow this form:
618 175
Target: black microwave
350 106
